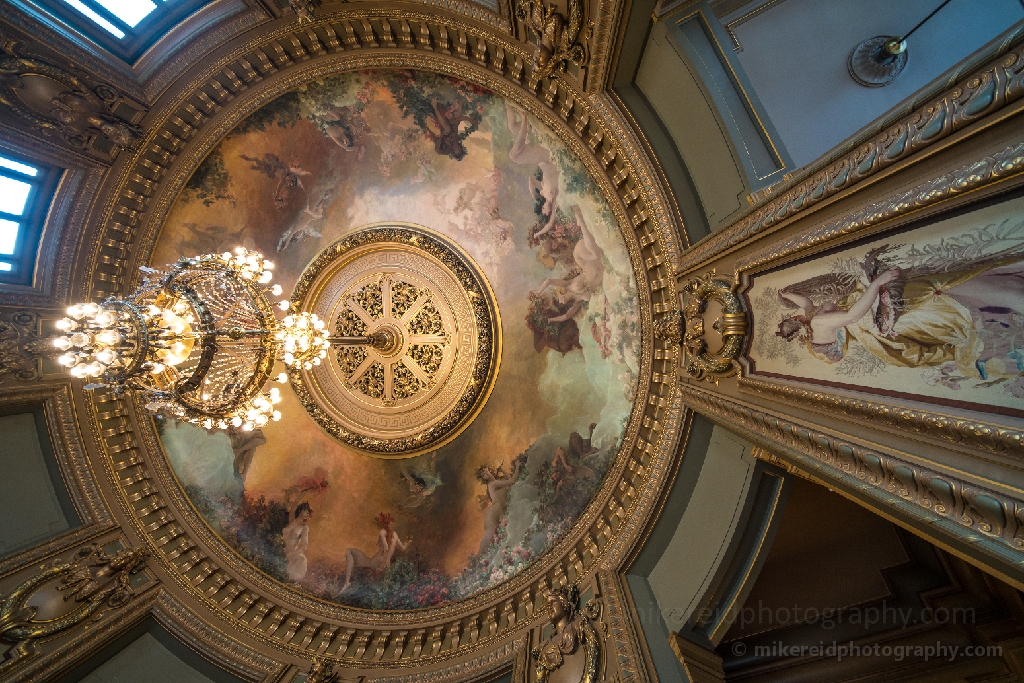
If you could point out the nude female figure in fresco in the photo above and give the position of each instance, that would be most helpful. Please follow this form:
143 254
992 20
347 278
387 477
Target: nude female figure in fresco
498 484
922 316
296 540
586 278
522 152
388 543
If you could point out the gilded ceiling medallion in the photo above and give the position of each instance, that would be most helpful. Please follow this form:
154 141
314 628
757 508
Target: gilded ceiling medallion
417 339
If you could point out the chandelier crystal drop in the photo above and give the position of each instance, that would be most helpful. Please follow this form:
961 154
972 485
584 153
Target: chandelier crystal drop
199 340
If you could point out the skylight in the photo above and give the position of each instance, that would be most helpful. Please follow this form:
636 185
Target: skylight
115 16
25 194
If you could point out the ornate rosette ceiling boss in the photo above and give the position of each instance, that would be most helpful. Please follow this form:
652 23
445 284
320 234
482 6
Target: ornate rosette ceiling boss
444 340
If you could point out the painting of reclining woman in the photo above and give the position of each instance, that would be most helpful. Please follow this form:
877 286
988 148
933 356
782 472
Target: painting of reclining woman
935 313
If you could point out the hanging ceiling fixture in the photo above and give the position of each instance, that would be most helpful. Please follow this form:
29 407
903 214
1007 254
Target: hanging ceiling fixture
878 61
199 340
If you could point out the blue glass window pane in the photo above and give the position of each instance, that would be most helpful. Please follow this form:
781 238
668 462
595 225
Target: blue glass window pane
130 12
17 166
95 17
8 236
13 195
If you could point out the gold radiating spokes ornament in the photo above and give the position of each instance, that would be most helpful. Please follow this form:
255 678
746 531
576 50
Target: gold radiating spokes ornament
199 340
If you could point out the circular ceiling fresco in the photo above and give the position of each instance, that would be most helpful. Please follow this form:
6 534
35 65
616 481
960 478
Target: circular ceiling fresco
305 176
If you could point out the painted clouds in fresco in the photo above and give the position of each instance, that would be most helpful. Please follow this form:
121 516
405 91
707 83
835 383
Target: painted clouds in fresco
414 147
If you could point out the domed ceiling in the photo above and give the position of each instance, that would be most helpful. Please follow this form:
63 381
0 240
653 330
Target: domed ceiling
380 153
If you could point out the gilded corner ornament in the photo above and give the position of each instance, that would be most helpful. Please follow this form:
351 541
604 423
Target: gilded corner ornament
77 113
573 632
557 36
91 580
732 326
321 671
670 327
305 10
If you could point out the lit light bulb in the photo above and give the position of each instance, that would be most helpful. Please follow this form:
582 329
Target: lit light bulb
104 319
268 265
284 304
207 423
302 322
79 370
326 344
276 290
109 337
265 277
65 324
322 354
316 361
276 415
106 356
307 365
81 338
62 343
226 256
90 309
236 421
288 321
239 250
289 344
68 359
247 426
157 368
288 359
261 420
283 377
75 311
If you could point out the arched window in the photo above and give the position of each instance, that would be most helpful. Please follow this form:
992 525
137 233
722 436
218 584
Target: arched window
127 28
26 191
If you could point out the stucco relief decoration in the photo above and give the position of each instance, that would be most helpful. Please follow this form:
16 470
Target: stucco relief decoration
21 346
64 594
731 325
571 653
305 10
558 36
59 103
337 159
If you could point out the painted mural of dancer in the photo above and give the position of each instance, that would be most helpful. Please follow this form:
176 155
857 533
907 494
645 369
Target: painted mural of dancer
296 540
388 543
497 483
586 279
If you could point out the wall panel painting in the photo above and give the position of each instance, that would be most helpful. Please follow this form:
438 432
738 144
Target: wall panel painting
362 148
933 312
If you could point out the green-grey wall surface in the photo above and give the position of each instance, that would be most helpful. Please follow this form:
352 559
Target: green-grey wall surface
691 119
34 504
145 660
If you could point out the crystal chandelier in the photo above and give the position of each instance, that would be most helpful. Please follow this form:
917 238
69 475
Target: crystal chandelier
199 340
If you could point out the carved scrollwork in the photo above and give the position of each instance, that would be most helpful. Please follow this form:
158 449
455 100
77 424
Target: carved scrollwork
732 325
670 327
91 579
573 631
557 36
21 346
305 10
321 671
77 113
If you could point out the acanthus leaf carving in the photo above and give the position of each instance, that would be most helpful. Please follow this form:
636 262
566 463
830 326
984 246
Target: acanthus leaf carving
91 580
573 631
59 103
557 37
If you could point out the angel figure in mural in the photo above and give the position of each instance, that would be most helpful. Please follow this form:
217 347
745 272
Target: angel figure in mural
584 280
498 483
394 146
347 129
388 543
543 187
567 464
907 310
422 481
271 165
296 540
302 229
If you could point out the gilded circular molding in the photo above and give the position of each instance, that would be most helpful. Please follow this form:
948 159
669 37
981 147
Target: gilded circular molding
441 340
